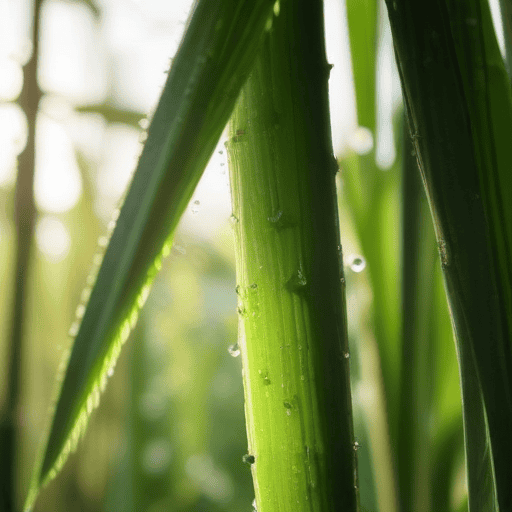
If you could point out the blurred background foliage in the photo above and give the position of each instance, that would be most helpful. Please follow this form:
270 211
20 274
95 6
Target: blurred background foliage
170 433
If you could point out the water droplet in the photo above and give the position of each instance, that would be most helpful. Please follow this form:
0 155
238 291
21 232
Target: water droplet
248 459
195 207
254 506
288 405
302 377
233 219
346 355
197 202
178 249
281 220
240 310
444 254
221 152
297 282
395 6
144 123
357 263
356 446
361 140
254 286
265 377
277 8
234 350
288 412
110 371
238 289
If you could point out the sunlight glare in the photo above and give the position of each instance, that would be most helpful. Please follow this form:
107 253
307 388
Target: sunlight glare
52 238
57 181
13 138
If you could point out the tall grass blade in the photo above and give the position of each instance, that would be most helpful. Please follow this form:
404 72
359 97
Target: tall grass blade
24 220
291 302
506 20
418 259
458 102
370 196
213 61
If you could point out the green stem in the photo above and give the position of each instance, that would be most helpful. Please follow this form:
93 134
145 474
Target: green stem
24 217
289 269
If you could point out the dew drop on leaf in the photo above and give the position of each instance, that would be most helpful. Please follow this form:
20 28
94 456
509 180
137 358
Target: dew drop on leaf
357 263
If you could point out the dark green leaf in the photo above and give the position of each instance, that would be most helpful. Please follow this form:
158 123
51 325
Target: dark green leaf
212 63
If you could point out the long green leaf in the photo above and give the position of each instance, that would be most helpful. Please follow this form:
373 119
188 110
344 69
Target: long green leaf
292 310
459 109
370 197
418 259
212 63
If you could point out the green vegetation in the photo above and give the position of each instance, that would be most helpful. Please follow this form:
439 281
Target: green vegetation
357 395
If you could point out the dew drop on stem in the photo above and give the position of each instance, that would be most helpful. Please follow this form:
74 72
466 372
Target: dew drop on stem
234 350
248 459
297 282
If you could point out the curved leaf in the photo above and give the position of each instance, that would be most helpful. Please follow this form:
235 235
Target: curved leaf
459 109
212 63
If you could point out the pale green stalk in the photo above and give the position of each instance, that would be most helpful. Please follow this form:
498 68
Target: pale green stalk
293 336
